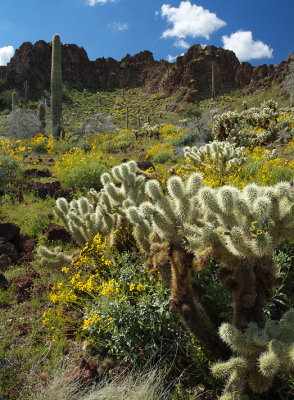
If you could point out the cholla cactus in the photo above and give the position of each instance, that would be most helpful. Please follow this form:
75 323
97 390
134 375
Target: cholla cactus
53 259
240 229
228 124
123 188
216 155
160 229
260 355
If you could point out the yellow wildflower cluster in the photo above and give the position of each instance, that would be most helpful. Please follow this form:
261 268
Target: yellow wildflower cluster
158 148
13 148
89 278
170 131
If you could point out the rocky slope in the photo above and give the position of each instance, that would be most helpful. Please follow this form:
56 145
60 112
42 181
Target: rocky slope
190 74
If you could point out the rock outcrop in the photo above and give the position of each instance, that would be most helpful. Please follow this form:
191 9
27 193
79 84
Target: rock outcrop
190 74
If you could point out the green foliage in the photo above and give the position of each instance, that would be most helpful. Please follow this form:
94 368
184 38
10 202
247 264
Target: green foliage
214 297
162 157
186 139
9 167
37 224
191 110
140 325
85 176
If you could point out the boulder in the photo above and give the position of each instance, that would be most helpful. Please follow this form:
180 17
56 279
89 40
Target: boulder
9 249
3 282
9 230
84 373
56 232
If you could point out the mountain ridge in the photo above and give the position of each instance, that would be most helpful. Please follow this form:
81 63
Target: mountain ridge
190 74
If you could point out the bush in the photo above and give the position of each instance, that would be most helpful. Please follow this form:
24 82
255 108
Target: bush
9 167
97 123
162 157
22 124
86 176
186 139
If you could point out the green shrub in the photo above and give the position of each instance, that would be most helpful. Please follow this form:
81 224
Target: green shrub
86 176
135 319
37 224
9 167
186 139
162 157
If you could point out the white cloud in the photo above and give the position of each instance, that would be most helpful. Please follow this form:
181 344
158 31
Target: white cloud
190 20
93 2
245 47
5 54
181 43
171 58
118 26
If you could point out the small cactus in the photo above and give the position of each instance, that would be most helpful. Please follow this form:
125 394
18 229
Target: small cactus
13 100
41 116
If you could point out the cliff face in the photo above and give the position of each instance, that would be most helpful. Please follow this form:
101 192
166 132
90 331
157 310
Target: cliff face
190 74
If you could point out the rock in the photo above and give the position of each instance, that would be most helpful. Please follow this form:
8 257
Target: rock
144 165
68 194
56 232
3 282
28 258
8 248
5 262
44 173
191 72
43 190
84 373
40 289
24 243
9 230
23 285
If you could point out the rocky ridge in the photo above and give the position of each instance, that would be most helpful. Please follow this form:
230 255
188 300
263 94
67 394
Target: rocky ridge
190 74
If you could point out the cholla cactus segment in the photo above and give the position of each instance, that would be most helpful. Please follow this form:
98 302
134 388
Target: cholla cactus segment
122 188
253 222
261 354
53 259
217 155
170 215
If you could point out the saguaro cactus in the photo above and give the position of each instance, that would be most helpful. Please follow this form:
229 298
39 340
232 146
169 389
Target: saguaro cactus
127 117
41 116
56 87
26 90
13 100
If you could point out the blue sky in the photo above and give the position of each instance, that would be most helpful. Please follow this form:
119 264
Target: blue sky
259 31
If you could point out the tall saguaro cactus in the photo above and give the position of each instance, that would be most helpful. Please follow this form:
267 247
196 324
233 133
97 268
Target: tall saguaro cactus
56 87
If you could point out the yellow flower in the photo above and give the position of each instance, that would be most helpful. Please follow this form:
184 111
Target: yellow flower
140 287
132 287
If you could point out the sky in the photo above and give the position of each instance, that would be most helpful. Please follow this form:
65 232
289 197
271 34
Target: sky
258 31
